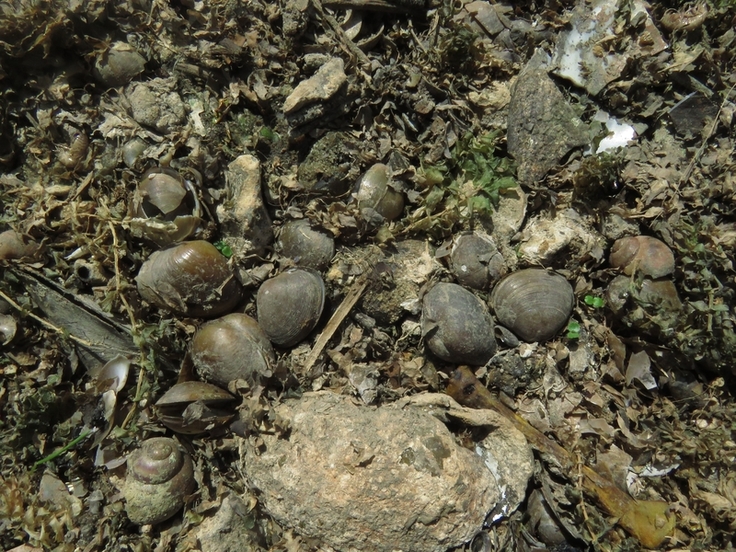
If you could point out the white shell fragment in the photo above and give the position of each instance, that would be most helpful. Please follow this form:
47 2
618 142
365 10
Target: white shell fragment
369 479
580 57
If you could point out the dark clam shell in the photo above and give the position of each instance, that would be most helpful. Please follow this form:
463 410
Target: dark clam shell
476 262
533 303
308 247
232 347
457 326
375 192
290 305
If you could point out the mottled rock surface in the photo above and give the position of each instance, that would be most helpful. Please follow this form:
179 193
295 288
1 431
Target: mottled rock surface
543 127
374 479
243 217
156 104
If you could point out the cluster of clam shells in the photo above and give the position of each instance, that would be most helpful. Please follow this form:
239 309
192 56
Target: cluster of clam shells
194 279
534 304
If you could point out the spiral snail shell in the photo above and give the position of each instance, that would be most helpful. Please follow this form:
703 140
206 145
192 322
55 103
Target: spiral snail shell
160 476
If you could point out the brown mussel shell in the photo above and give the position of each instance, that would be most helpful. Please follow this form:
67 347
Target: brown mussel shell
159 478
533 303
457 326
290 305
232 347
190 279
194 407
643 255
308 247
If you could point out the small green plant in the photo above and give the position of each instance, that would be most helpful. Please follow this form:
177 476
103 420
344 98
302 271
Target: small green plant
594 301
223 248
470 184
573 330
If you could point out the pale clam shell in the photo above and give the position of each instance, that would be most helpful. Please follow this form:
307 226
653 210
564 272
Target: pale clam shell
533 303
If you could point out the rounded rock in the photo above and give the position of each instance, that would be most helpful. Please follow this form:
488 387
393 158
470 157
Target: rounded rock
370 479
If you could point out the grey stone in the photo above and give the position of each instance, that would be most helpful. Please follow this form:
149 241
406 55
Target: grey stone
119 65
230 529
156 104
542 126
243 217
319 87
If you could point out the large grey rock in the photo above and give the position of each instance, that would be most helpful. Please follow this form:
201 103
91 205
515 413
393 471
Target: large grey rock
369 479
542 126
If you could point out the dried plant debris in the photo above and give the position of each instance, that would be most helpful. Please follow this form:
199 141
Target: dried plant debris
381 151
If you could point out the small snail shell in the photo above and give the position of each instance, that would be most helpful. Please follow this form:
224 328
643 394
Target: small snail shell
160 476
644 255
533 303
456 325
290 305
374 191
232 347
191 279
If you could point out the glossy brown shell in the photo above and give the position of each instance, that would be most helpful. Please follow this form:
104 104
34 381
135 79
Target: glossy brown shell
533 303
644 255
457 326
374 191
290 305
159 478
164 208
189 391
190 279
232 347
308 247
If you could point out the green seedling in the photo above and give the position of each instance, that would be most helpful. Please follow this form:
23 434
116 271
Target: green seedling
573 330
224 248
58 452
594 301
